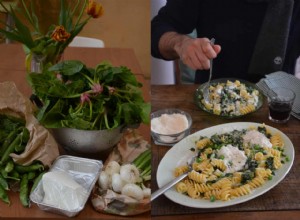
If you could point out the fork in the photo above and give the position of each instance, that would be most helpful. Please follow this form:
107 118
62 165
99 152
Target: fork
174 181
206 87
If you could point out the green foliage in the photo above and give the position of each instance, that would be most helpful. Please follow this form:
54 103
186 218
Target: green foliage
27 29
75 96
143 163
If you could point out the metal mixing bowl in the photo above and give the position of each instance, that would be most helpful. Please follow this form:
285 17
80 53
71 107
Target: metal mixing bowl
88 141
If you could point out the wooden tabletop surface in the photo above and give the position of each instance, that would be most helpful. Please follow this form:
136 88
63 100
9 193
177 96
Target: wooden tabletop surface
281 202
12 68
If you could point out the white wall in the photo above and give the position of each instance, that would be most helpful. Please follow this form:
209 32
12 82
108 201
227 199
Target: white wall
162 72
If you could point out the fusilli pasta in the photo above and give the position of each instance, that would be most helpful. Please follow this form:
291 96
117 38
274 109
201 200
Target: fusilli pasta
212 176
231 98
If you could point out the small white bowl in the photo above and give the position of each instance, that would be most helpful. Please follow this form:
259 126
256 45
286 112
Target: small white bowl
170 139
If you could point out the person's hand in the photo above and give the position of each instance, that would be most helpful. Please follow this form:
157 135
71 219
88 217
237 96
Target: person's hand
196 53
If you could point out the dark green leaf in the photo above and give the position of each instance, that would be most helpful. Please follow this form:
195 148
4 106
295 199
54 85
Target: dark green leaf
68 67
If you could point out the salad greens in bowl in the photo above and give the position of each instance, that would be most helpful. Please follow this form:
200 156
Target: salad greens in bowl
77 97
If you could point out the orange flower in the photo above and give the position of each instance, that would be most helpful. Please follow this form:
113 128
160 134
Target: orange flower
60 34
94 9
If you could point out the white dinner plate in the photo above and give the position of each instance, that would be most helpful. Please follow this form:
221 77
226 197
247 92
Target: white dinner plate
180 153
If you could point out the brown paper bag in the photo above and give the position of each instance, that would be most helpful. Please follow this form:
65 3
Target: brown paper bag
41 145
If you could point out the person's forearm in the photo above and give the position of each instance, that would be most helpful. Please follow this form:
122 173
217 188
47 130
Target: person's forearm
170 44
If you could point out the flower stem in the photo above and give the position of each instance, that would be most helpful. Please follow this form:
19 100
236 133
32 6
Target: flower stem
29 17
88 78
106 120
76 95
81 13
75 8
91 110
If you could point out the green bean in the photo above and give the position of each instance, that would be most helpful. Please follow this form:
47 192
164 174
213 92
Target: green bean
12 135
3 182
24 139
3 195
9 166
24 195
20 148
37 180
3 172
12 121
25 135
31 175
6 176
14 174
32 167
10 149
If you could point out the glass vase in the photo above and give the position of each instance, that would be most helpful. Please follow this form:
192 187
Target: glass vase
37 63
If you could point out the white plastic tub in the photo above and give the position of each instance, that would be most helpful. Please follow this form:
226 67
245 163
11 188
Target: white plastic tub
83 171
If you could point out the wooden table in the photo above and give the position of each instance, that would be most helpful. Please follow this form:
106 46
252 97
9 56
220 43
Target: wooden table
12 68
281 202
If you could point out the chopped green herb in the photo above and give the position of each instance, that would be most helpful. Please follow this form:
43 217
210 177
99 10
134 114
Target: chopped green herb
256 147
247 176
287 159
212 198
270 163
198 160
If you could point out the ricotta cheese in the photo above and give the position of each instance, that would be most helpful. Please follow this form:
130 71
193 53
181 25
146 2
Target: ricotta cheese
62 192
255 137
169 124
234 158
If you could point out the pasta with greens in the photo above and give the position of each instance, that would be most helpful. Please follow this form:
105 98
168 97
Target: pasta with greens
232 164
231 98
